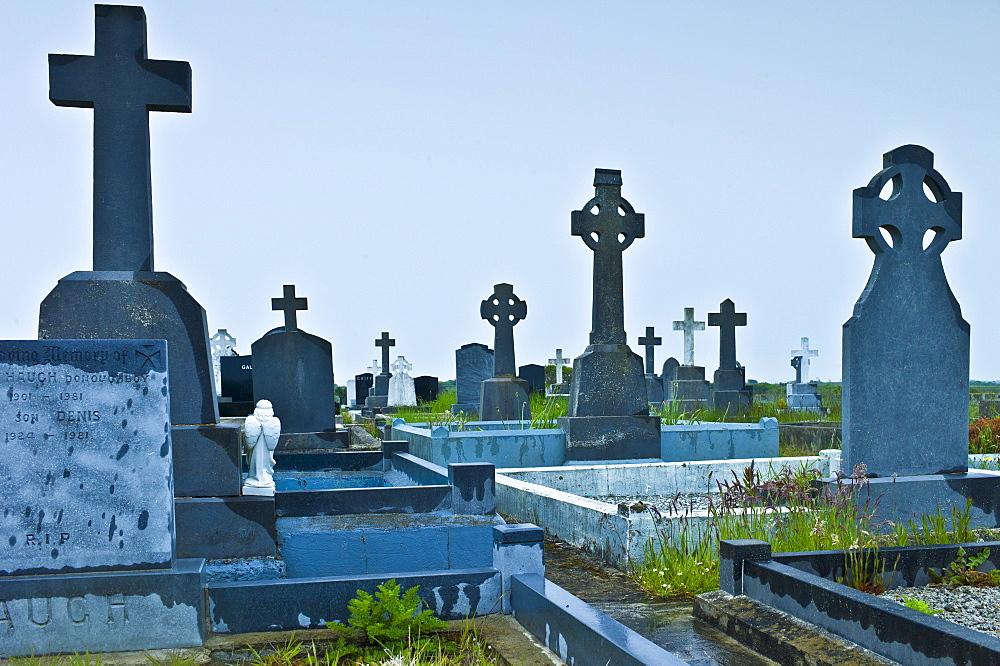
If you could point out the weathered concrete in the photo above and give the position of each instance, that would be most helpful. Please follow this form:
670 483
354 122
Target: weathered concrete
719 441
517 447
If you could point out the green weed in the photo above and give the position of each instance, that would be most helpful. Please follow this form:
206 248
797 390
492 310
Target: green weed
963 571
920 605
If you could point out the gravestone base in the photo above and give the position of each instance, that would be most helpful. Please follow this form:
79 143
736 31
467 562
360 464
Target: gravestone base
731 402
504 399
225 527
294 370
207 460
654 389
905 497
611 437
380 393
803 397
235 408
311 441
689 390
608 380
467 408
377 401
103 612
125 305
558 389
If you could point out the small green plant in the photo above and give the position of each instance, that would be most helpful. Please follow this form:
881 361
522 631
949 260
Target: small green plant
920 605
964 571
390 617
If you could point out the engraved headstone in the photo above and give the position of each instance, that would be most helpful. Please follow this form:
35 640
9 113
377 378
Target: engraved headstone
222 344
503 397
362 384
87 556
237 377
473 366
608 407
402 393
294 370
730 393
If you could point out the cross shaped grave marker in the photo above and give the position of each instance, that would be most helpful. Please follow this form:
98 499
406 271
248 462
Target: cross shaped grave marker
122 86
385 342
375 368
608 225
650 342
558 361
689 326
727 319
290 304
401 365
503 310
804 355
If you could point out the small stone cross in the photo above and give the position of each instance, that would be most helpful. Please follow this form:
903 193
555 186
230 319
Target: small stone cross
385 342
727 319
558 361
689 326
608 225
375 368
503 310
290 304
804 355
122 85
650 342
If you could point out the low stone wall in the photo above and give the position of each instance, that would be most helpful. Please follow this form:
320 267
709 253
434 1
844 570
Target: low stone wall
719 441
810 436
487 441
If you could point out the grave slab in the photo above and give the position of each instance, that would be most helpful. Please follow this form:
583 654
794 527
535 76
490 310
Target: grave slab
225 527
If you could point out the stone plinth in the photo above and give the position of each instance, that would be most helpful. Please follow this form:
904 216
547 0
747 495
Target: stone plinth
689 390
803 397
124 305
730 394
654 389
611 437
294 370
608 380
504 399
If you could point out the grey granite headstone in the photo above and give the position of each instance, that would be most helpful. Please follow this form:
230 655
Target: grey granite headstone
608 378
667 377
730 393
906 349
503 397
86 476
294 370
534 374
473 366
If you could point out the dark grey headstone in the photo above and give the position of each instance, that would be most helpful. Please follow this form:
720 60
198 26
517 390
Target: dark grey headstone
237 377
906 349
730 393
382 379
473 366
426 388
534 374
86 478
362 384
294 370
667 376
650 341
654 389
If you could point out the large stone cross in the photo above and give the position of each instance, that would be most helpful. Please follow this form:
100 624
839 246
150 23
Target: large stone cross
650 342
558 361
401 365
385 342
503 310
608 224
290 304
727 319
122 86
689 326
804 355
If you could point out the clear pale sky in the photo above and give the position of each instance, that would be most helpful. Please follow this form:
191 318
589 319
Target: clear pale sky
395 160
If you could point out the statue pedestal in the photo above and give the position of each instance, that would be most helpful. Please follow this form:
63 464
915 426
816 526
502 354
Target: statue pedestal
608 380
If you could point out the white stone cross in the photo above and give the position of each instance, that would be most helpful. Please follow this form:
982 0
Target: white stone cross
558 361
401 365
689 326
375 368
805 354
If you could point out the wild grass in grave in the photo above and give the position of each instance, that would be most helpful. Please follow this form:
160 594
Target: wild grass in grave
671 413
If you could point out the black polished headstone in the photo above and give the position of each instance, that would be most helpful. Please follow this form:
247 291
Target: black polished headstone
122 298
294 370
504 397
906 349
362 384
237 377
534 374
426 388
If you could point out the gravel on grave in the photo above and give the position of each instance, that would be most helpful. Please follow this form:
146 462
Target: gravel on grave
972 607
665 504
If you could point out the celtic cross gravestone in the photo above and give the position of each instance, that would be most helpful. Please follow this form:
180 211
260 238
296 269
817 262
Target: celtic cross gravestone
504 397
608 408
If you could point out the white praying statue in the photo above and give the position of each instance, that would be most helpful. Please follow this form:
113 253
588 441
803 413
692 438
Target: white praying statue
402 393
260 434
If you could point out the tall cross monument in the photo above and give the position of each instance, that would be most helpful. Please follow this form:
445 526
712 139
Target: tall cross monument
290 305
688 325
727 319
505 396
804 355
